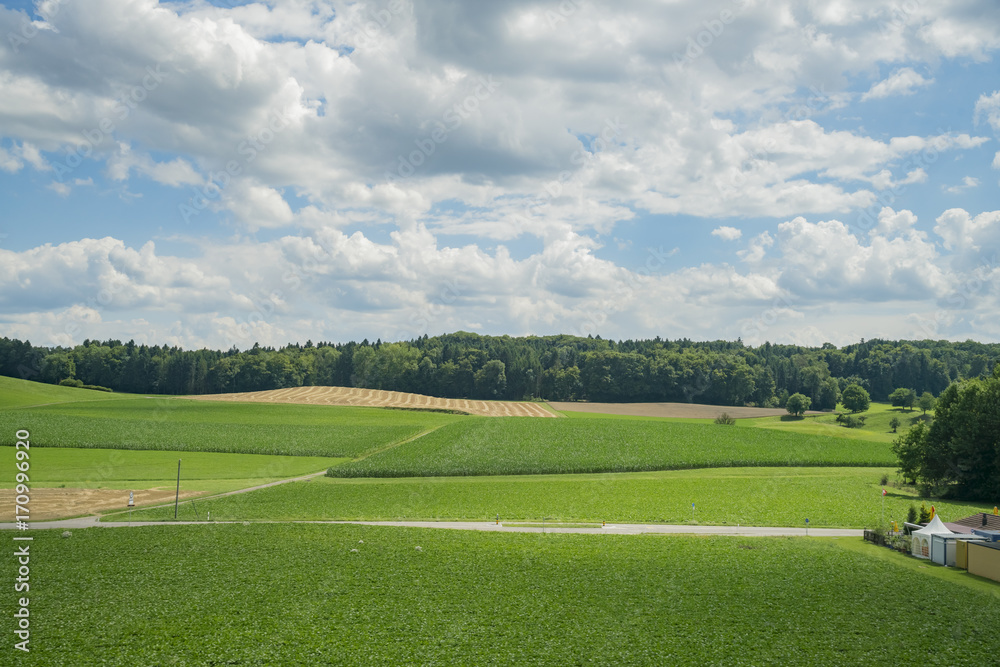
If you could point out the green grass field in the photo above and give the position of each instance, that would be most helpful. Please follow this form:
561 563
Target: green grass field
53 467
514 446
16 393
296 594
876 427
189 425
828 497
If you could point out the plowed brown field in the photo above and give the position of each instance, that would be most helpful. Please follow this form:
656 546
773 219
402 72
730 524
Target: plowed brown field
49 504
378 398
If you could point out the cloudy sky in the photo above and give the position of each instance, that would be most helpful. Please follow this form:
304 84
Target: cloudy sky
215 174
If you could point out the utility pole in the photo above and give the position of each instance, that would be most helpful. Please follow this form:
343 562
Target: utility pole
178 496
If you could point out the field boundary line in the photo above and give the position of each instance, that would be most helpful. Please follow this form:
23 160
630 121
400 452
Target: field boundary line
86 400
555 413
393 445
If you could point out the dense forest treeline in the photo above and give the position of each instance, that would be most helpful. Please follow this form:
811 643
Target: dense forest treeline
468 365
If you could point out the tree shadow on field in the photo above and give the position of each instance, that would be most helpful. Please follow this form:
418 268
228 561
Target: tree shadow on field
792 418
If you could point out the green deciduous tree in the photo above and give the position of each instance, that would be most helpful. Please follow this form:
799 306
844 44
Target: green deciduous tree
798 404
903 398
909 450
828 395
926 401
855 398
959 453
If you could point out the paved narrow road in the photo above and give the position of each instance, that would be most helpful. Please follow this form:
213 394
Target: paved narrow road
615 529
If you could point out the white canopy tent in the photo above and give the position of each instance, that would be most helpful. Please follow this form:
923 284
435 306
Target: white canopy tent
921 543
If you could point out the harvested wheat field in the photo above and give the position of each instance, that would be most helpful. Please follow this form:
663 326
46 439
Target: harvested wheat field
378 398
685 410
47 504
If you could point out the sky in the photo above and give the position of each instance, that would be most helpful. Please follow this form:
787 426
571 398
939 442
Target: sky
219 174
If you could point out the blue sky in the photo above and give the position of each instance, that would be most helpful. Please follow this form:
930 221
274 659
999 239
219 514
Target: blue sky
222 174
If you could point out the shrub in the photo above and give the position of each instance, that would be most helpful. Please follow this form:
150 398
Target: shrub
925 514
895 423
884 481
724 418
71 382
95 387
911 514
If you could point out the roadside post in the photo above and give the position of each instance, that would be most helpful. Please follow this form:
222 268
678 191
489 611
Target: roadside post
131 504
807 527
178 496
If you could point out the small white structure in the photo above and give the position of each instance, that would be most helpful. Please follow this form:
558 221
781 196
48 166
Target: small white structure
922 543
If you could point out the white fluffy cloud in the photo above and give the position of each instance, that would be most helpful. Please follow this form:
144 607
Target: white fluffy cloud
968 183
988 109
727 233
962 231
826 259
903 81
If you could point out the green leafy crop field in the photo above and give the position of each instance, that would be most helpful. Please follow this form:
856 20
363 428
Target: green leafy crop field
298 594
507 446
187 425
828 497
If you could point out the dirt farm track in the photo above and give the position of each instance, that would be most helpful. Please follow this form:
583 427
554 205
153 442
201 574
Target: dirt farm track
377 398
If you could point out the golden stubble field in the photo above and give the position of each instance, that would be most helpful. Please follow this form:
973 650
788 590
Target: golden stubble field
378 398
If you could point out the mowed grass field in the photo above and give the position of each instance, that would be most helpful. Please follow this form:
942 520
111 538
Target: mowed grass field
187 425
297 594
828 497
15 393
509 446
877 423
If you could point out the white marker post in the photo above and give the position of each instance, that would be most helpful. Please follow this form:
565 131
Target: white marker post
131 504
